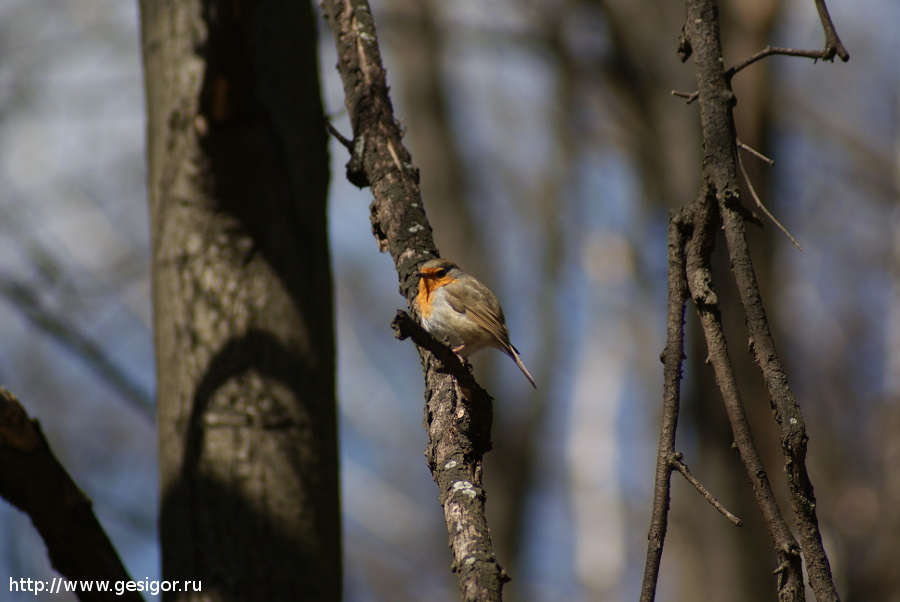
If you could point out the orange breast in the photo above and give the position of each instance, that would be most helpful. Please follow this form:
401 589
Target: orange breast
427 288
423 298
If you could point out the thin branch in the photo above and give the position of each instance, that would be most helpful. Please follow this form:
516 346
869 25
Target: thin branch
348 144
787 411
692 232
819 55
762 207
755 153
33 480
680 227
690 96
786 547
720 183
26 300
686 473
672 358
833 46
832 40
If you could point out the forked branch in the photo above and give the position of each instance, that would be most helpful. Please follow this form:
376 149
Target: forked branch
691 240
833 46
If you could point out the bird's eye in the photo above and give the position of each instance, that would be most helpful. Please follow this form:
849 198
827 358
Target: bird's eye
440 273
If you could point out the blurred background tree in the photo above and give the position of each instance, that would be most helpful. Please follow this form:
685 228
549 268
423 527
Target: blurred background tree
242 299
551 151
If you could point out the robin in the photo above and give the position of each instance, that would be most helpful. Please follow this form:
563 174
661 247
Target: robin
458 309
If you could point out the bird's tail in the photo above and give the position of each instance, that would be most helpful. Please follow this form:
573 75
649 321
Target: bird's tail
514 353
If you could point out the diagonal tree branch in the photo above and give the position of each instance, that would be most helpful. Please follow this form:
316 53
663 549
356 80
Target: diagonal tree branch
787 411
672 358
759 202
686 473
458 414
33 480
790 587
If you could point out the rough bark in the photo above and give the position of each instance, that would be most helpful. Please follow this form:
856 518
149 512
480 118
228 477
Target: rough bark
718 206
721 183
33 480
458 413
242 300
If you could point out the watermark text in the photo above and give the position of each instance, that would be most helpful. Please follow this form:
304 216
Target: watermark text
59 584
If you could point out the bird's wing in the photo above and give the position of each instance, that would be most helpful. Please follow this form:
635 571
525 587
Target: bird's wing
481 307
478 307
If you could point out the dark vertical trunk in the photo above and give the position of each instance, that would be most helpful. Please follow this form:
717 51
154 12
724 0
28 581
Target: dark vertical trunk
242 300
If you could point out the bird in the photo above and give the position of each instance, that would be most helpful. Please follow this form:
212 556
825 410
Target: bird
456 308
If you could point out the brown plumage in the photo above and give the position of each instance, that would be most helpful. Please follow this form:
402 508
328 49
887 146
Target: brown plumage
457 308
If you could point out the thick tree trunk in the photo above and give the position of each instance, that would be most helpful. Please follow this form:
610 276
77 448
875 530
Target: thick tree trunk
242 300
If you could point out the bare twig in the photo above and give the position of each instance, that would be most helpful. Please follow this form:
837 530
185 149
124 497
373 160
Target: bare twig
672 358
755 153
833 46
721 186
686 473
762 207
690 96
786 547
819 55
832 40
693 229
787 411
26 300
680 229
348 144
